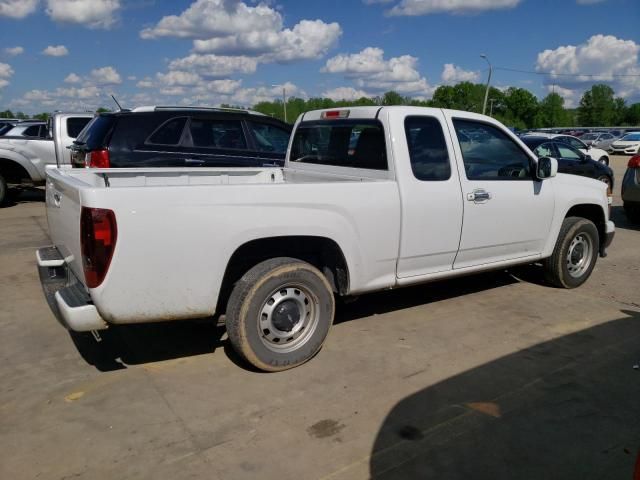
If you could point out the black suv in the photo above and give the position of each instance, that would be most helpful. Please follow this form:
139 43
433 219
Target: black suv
181 137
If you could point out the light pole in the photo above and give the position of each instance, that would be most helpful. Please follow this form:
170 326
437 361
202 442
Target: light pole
284 100
486 93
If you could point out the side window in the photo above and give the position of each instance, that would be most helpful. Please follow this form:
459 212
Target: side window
568 153
217 134
427 148
544 150
32 131
270 138
169 133
75 126
575 143
489 153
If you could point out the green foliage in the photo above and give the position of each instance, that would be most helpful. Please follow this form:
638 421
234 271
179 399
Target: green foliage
598 107
632 115
102 110
7 114
42 116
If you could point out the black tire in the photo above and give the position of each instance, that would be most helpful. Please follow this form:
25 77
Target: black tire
4 191
557 270
604 161
632 212
274 282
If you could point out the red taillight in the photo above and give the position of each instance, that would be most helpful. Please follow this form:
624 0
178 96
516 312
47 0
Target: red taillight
335 114
98 235
634 162
98 159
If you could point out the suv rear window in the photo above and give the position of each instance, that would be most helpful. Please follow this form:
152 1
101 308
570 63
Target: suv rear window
169 133
75 126
341 143
226 134
94 136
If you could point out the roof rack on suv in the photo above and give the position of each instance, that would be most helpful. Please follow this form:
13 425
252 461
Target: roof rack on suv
156 108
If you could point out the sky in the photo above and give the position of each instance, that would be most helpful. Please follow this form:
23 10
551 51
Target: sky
73 54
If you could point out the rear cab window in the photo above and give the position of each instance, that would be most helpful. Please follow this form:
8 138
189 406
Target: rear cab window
428 152
340 143
75 125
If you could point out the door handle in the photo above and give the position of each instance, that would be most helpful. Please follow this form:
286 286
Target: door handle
479 196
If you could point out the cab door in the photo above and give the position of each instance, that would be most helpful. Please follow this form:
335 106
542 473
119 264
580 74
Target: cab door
507 212
429 192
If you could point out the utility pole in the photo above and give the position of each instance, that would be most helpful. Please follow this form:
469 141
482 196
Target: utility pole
284 100
486 93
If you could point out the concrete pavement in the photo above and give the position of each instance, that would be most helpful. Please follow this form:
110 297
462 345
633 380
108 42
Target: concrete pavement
492 376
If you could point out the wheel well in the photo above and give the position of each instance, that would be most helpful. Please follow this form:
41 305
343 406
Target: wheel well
323 253
591 212
12 171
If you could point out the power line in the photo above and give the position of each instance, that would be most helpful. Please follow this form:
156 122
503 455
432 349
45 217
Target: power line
567 74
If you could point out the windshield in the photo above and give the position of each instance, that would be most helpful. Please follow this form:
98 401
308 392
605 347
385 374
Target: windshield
341 143
590 136
631 137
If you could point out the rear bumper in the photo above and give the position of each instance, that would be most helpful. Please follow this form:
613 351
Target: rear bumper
610 232
66 296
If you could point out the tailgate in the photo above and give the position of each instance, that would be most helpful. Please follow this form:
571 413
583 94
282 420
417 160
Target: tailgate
63 216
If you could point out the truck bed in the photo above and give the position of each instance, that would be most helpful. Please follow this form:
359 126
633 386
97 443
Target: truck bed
180 227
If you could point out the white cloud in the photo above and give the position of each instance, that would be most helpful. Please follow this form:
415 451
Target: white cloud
90 13
55 51
372 72
215 65
453 74
570 96
132 78
5 74
105 76
179 78
13 51
344 93
17 8
426 7
72 78
145 83
233 29
602 59
589 2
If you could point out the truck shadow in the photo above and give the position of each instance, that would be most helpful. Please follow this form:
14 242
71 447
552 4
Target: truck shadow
620 219
25 195
138 344
566 408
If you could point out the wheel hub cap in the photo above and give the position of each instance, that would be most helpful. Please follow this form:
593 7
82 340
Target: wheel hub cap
286 315
579 255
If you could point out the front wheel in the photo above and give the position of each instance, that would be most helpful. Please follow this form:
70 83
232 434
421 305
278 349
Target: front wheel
574 255
280 313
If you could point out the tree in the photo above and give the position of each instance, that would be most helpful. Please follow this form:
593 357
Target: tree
552 112
598 107
632 115
521 108
102 110
7 114
42 116
394 98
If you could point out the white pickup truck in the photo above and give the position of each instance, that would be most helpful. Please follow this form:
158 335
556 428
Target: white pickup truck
369 198
23 159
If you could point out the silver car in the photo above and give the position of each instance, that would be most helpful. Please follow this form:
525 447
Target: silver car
602 140
631 189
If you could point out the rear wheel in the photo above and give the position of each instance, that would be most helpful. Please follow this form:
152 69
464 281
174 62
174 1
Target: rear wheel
280 313
574 255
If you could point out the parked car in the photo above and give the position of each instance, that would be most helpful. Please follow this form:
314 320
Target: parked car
269 247
595 153
182 137
32 129
5 126
600 140
631 189
571 160
25 154
629 144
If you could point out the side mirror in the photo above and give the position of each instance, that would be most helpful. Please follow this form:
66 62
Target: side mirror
547 168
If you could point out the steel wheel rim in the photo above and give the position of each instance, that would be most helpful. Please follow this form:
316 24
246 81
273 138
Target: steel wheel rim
579 255
287 306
